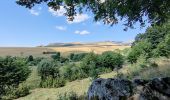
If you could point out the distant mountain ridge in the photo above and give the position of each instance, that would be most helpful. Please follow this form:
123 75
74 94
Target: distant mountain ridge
89 43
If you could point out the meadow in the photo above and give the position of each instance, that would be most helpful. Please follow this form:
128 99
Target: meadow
80 87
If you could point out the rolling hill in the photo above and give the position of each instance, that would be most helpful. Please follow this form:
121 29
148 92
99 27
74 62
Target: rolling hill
65 48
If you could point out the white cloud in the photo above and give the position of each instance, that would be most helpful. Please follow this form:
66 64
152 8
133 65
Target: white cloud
79 18
84 32
34 12
59 12
62 28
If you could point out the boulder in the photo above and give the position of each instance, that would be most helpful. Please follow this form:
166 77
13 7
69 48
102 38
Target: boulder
110 89
138 89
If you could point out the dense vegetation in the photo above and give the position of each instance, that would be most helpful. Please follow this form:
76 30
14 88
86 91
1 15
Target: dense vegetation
155 42
13 71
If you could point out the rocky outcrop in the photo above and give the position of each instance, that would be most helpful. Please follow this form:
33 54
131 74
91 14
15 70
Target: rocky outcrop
138 89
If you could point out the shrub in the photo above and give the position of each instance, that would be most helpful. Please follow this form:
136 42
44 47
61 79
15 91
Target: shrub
93 72
13 71
13 93
71 96
47 68
53 82
77 57
50 76
63 60
111 60
56 56
88 60
141 48
72 72
30 58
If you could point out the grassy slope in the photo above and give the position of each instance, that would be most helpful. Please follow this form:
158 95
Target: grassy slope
81 86
24 51
38 51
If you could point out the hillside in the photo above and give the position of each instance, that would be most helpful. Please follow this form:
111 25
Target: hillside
65 48
81 86
97 47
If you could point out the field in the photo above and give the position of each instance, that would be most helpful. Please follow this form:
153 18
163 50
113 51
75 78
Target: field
23 51
81 86
65 49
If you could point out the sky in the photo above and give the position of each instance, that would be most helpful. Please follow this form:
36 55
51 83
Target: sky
22 27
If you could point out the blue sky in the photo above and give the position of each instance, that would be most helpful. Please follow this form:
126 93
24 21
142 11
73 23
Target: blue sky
41 25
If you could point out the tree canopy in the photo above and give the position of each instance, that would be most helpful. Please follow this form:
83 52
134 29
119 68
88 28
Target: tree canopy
110 11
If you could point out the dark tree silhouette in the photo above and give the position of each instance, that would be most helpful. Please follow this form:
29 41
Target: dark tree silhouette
110 11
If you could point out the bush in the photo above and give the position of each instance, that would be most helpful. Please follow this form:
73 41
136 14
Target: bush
13 93
52 82
93 72
77 57
50 76
35 61
48 68
141 48
56 56
71 96
111 60
63 60
88 60
13 71
72 72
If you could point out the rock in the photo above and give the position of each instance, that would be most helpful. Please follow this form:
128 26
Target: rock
110 89
156 89
138 89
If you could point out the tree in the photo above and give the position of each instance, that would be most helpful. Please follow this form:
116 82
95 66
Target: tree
153 43
47 68
143 47
56 56
111 60
89 59
110 11
13 71
163 49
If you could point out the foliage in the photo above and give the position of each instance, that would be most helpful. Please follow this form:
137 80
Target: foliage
30 58
13 93
50 76
111 60
153 43
141 48
93 72
77 57
52 82
88 61
72 72
71 96
111 10
47 68
63 60
13 71
163 48
31 61
56 56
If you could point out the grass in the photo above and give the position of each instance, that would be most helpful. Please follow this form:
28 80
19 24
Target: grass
81 86
65 50
24 51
